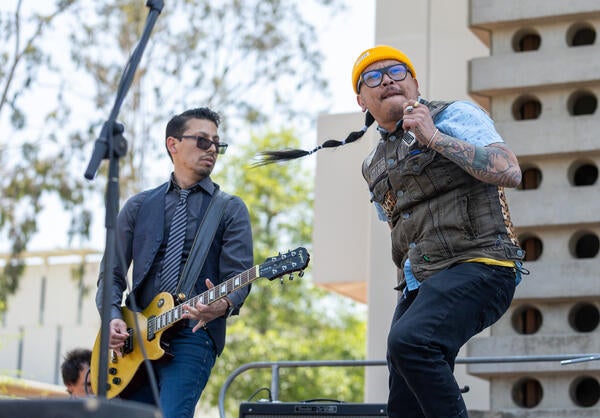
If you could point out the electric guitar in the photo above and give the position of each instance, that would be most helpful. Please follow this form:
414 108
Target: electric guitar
161 314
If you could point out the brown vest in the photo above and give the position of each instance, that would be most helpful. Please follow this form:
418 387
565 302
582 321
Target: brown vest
439 214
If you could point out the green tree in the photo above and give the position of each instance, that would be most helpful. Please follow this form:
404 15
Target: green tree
295 320
250 60
30 172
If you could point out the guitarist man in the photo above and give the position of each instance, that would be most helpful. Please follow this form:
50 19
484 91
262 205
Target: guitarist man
143 237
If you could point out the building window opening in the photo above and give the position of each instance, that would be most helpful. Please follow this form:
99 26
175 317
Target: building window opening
583 174
531 179
585 391
582 103
581 34
585 245
533 247
527 393
526 320
526 40
584 317
527 108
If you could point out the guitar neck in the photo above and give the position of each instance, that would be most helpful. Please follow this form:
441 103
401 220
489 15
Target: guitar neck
170 317
273 267
220 291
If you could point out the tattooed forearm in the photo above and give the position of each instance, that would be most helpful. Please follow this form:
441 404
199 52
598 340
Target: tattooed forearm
493 164
480 160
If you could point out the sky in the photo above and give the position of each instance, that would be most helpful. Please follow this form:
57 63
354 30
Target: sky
342 38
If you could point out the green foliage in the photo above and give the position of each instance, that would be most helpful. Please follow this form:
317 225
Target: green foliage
279 197
302 336
292 321
29 172
21 55
251 61
248 60
244 59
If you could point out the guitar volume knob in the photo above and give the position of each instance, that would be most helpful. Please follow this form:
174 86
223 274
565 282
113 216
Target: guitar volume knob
116 380
112 370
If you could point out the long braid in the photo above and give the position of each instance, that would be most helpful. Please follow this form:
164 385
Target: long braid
270 157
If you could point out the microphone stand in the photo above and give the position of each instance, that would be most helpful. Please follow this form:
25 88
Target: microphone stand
112 145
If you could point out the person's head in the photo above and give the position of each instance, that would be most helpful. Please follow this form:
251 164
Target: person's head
193 143
74 371
383 79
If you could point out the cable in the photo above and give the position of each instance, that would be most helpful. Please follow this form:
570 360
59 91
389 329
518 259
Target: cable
86 382
322 400
260 390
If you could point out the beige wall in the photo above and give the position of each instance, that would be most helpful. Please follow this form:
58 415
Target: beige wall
50 314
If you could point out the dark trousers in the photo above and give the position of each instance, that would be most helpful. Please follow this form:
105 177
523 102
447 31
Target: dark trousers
182 379
429 327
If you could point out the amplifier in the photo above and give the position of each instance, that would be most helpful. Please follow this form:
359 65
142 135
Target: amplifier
309 410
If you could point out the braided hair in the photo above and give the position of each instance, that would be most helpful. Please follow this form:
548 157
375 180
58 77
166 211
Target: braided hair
270 157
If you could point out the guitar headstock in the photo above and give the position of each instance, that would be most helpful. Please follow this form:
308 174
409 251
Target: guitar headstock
282 264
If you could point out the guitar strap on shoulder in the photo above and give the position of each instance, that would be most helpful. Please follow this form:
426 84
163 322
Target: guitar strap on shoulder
202 242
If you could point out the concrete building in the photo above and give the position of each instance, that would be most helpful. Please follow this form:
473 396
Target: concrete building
52 313
535 66
547 110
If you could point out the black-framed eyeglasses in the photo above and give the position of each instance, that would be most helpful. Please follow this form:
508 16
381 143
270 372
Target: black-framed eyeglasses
373 78
205 143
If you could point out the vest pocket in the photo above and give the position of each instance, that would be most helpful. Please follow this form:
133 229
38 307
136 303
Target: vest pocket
417 179
383 195
466 213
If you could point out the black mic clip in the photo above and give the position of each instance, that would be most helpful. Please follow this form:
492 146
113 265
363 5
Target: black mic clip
101 146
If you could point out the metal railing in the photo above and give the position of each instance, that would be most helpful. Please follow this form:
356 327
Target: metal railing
275 366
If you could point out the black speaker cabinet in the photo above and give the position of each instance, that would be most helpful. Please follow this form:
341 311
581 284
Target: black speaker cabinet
75 408
310 410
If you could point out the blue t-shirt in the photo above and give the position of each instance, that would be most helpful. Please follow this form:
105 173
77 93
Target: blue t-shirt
462 120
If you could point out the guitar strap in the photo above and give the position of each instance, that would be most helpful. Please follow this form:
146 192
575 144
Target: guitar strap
204 237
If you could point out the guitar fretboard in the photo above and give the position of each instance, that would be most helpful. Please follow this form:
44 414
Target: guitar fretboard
171 316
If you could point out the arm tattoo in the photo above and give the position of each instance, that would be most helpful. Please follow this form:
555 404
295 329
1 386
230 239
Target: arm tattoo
493 164
479 159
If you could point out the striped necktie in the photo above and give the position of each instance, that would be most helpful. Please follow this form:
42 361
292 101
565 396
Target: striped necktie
172 260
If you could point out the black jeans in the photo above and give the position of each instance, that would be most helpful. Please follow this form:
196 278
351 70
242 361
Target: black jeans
430 325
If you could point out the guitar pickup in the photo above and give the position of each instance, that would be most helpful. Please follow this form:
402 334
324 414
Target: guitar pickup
151 328
128 347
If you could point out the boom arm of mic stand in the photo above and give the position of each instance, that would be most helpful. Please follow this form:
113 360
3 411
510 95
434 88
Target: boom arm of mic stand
102 145
111 145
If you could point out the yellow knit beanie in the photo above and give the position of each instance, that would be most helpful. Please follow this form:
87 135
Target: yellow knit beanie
378 53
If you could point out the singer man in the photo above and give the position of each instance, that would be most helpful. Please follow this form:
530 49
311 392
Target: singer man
437 177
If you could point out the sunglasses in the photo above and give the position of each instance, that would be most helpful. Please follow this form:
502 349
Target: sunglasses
205 143
373 78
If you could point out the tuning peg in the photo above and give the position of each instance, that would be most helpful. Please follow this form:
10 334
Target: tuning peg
291 277
301 273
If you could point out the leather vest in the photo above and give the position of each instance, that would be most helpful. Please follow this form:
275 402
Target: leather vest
439 215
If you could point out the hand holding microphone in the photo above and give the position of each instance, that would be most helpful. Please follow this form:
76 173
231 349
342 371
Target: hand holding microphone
417 119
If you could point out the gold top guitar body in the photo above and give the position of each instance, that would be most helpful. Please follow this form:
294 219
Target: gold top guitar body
162 314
